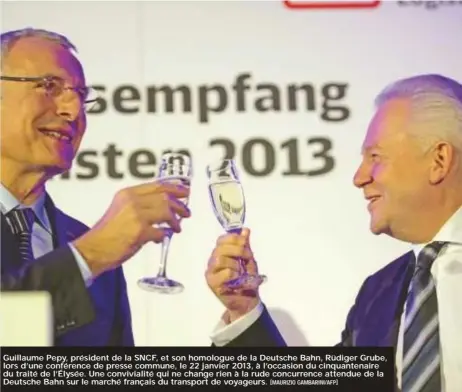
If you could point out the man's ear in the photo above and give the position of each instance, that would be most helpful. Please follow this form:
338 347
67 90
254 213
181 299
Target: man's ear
442 157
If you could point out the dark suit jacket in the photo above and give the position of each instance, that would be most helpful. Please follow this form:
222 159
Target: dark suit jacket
373 320
97 316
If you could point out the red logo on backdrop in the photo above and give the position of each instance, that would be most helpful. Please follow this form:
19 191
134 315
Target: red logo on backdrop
329 4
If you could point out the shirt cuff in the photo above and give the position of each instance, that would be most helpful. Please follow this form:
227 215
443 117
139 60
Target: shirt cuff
83 266
225 333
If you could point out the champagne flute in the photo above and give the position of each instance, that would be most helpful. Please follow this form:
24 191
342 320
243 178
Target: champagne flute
228 202
176 168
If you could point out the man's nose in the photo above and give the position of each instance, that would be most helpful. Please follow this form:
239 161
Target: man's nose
362 176
69 105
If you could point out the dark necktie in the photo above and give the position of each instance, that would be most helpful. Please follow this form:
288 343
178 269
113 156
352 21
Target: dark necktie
21 221
421 343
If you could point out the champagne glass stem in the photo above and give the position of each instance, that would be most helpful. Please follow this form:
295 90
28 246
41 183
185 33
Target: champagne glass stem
241 261
164 254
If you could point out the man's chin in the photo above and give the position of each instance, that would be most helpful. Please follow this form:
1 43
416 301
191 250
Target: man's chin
58 167
377 228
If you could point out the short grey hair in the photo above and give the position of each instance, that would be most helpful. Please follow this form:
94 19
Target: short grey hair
9 38
436 102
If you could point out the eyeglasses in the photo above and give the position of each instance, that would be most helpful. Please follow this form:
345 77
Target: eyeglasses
54 86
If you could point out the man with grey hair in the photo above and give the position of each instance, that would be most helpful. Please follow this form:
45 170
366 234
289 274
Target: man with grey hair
411 175
43 101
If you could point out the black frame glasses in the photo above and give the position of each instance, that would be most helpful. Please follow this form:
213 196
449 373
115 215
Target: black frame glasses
54 86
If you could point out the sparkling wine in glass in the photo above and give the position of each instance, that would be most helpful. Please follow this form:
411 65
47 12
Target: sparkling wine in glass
176 168
228 202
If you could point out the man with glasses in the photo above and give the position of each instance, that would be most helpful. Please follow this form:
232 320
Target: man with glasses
43 103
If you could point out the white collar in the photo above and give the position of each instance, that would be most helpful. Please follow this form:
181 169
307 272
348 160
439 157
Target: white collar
450 232
9 202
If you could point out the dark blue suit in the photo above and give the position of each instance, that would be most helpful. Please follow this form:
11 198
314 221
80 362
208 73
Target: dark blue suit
373 320
97 316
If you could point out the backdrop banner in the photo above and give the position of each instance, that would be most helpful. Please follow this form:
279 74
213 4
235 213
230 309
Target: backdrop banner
287 89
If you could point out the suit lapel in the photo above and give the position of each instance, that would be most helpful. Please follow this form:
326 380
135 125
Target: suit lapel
11 259
62 233
389 302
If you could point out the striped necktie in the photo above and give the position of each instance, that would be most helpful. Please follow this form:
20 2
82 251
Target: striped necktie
21 221
421 343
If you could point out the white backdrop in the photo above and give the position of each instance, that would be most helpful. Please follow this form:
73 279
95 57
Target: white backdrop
310 233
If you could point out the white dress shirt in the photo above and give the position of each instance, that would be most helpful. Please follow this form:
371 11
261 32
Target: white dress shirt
42 236
447 273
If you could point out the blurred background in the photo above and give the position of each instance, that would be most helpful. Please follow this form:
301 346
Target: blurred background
287 88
